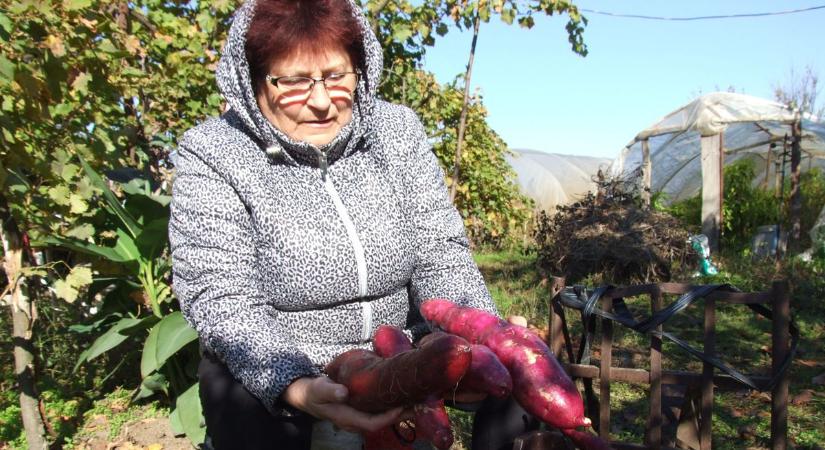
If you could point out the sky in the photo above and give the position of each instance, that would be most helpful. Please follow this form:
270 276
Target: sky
542 96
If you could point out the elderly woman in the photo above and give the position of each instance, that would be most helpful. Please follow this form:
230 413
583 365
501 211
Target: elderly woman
304 217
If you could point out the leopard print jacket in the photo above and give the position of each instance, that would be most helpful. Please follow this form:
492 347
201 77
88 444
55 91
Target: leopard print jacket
286 255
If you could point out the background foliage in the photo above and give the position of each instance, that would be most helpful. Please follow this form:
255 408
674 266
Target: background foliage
93 95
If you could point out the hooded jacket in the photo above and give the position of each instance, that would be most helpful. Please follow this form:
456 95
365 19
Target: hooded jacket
286 255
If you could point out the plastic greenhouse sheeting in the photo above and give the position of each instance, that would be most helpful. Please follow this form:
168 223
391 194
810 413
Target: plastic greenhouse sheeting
552 179
750 125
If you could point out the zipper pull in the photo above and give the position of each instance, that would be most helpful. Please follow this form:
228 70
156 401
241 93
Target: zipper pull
322 164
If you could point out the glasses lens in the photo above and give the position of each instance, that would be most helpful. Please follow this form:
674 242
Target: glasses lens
294 83
346 79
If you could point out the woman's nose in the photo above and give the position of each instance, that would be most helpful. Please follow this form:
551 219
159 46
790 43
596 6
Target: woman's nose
318 96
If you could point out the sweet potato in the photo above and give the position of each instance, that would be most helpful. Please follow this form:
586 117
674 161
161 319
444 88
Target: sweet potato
540 384
431 421
486 374
377 384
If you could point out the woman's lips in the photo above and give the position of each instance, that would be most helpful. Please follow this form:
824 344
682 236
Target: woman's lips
319 123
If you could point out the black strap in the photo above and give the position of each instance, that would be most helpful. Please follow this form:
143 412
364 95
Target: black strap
576 297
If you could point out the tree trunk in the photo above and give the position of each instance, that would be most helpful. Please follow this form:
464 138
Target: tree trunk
462 123
23 317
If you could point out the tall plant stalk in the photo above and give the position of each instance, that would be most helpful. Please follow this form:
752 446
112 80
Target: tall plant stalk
462 122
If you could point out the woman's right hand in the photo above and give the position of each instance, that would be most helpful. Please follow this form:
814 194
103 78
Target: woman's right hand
325 399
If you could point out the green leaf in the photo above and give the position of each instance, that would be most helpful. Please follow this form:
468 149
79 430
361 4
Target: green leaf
111 200
152 240
6 68
82 247
74 5
114 336
152 384
81 232
125 246
191 415
401 32
171 334
60 195
174 423
5 23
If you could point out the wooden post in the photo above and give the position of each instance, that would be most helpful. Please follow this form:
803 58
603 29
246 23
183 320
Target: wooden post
654 420
605 363
780 299
647 175
706 415
556 321
712 189
796 193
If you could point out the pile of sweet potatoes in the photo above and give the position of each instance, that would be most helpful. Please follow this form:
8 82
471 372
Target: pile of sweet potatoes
475 351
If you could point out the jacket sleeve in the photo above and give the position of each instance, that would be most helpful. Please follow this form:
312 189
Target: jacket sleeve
445 266
217 283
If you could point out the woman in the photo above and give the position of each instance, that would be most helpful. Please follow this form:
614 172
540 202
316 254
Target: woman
303 218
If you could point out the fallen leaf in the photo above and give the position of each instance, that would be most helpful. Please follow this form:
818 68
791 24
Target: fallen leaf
803 397
807 362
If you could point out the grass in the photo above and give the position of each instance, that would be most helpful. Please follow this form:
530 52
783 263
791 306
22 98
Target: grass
741 418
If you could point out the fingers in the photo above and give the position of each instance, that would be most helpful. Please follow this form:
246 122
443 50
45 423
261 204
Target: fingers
351 419
518 320
325 390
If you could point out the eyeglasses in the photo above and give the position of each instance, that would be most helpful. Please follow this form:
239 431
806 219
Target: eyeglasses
304 85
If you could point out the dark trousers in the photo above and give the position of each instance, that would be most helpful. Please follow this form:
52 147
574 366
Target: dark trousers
236 420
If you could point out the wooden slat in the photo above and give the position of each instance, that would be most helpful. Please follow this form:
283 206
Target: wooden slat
706 422
779 394
604 369
682 288
642 376
654 418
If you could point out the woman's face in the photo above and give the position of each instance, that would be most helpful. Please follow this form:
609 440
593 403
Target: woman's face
316 115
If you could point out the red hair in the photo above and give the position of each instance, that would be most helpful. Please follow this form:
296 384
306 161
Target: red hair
280 27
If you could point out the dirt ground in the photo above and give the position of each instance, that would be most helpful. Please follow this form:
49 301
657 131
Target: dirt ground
143 434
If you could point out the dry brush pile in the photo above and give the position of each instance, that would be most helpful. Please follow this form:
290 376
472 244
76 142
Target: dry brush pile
608 236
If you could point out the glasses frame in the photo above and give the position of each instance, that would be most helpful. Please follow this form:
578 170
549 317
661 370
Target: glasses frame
274 80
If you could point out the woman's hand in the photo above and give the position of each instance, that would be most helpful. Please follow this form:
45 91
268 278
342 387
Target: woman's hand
325 399
518 320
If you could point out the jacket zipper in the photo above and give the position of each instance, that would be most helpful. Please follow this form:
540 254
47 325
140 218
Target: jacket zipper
358 249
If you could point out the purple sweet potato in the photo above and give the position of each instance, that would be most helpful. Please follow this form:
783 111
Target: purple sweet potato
377 384
431 421
486 374
540 384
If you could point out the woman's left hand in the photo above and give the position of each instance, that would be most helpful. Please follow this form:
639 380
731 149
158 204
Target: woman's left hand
517 320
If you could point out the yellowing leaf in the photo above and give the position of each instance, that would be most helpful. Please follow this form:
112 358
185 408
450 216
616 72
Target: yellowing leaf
81 82
79 277
55 44
81 232
78 205
65 291
132 44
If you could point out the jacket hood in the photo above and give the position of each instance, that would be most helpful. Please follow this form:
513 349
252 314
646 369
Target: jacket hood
235 84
